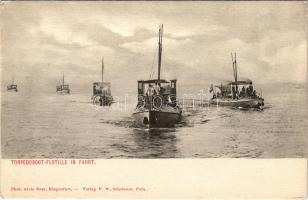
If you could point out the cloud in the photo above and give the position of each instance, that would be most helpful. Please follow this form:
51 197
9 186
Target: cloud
146 46
51 37
289 63
61 32
125 18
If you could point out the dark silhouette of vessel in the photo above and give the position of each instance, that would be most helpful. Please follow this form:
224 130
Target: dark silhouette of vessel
102 91
157 104
230 94
12 87
63 88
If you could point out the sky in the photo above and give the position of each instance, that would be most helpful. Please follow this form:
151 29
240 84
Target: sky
42 40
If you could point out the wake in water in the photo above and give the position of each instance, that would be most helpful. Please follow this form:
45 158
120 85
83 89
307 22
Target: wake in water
126 122
59 126
189 119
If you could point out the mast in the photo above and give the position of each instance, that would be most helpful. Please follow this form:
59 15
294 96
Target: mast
234 76
102 69
234 66
160 41
63 79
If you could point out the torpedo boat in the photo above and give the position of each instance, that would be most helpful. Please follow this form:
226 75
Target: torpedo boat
237 94
102 91
12 87
63 88
157 103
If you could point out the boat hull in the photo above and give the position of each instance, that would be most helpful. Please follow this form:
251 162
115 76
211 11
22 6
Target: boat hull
63 91
156 118
102 100
12 90
243 103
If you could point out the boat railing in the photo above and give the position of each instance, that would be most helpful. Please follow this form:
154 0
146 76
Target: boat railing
11 86
62 87
156 101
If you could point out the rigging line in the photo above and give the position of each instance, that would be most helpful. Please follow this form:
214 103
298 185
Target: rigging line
154 59
237 73
152 68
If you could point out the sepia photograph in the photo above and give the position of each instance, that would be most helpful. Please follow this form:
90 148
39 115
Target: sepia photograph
153 80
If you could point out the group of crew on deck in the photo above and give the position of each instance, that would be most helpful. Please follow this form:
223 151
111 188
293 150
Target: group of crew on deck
248 91
159 96
154 90
245 91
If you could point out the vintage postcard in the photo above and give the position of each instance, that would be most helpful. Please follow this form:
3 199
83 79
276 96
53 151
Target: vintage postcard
154 99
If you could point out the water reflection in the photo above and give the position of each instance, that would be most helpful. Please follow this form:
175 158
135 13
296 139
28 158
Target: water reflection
156 143
55 126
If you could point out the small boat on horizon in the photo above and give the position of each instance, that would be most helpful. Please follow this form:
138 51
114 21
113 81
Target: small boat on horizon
63 88
102 91
237 93
157 101
12 87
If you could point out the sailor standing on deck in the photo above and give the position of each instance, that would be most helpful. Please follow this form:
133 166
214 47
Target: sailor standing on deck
156 89
250 89
233 93
101 101
150 93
